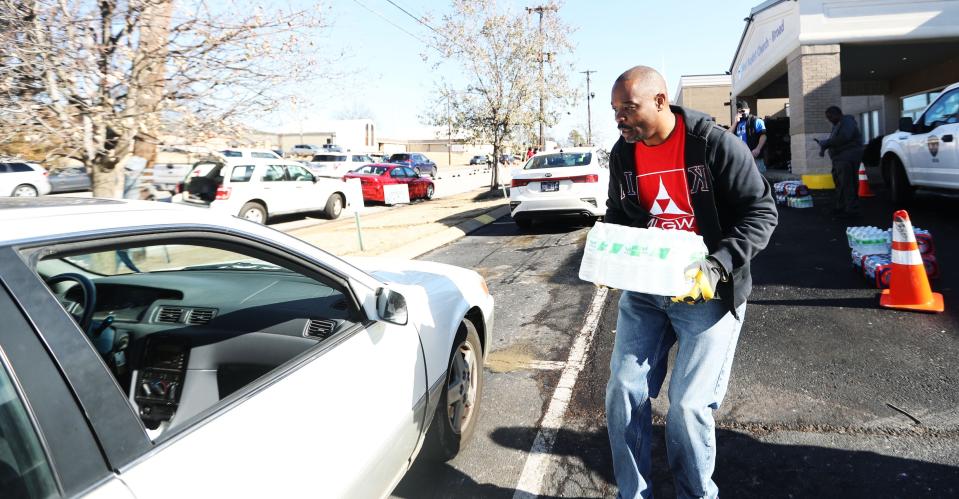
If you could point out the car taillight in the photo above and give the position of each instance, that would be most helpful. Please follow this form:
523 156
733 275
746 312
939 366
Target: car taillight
179 188
519 183
46 173
223 192
592 178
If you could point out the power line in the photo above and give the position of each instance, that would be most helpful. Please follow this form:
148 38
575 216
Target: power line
397 26
415 18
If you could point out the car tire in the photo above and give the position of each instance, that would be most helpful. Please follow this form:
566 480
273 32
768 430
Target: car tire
416 171
25 190
433 172
523 223
430 190
334 207
454 421
900 192
254 212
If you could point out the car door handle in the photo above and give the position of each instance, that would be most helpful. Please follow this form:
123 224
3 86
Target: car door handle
947 138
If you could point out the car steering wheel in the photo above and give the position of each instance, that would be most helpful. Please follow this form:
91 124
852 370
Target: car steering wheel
89 297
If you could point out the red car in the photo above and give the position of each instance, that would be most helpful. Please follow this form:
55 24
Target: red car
374 177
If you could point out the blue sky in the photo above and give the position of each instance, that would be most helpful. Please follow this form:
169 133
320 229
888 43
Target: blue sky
386 74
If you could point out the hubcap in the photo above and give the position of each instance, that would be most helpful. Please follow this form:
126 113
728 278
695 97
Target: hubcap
461 389
337 206
25 191
254 216
429 191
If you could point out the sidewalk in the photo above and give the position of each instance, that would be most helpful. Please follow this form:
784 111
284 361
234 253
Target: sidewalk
408 231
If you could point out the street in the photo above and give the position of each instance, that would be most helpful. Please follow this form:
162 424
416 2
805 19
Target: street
830 395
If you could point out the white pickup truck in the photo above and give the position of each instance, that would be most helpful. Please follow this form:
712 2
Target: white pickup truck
925 153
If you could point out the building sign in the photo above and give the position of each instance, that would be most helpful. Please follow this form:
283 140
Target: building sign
768 39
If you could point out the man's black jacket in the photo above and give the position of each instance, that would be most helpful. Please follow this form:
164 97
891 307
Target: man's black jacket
733 204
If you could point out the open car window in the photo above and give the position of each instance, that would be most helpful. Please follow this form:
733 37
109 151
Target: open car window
189 326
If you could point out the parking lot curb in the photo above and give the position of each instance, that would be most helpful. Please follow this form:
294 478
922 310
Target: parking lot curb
449 235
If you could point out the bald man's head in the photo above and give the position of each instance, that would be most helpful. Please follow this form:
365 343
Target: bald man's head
641 104
643 79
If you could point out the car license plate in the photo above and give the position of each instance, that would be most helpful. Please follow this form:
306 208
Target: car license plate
551 186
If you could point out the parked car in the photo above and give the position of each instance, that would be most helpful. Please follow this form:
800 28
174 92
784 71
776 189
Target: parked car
247 153
335 164
332 148
22 178
570 182
152 350
374 177
479 159
72 179
924 153
305 150
418 162
167 176
259 189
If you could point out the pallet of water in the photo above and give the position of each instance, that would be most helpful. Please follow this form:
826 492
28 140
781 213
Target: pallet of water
792 193
870 249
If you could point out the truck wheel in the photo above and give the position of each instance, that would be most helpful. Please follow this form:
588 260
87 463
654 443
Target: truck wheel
899 189
334 207
254 212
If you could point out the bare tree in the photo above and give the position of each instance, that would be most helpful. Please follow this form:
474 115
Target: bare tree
85 78
499 52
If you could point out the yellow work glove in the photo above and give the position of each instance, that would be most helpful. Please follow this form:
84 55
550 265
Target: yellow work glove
706 275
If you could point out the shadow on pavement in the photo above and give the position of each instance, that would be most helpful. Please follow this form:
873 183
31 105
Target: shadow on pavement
420 481
747 467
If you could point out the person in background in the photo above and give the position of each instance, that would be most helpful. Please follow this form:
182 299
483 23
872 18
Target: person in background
752 130
529 152
845 150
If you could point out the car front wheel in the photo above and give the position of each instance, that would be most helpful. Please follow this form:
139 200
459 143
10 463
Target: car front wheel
456 415
25 190
254 212
334 207
899 189
430 190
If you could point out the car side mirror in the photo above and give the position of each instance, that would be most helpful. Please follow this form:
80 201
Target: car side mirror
905 125
391 307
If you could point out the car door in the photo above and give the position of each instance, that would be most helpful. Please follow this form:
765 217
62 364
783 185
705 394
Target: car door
276 189
338 419
417 186
305 196
937 151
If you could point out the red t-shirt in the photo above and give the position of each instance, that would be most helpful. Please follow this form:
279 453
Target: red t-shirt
661 182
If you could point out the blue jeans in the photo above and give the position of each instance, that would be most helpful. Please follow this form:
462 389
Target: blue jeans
647 327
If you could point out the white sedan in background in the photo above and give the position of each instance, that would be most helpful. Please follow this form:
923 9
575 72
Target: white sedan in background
572 182
154 351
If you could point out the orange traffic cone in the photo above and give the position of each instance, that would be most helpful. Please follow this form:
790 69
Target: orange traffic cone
908 285
864 190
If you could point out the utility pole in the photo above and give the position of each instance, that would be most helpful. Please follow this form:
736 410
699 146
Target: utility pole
449 131
542 60
589 111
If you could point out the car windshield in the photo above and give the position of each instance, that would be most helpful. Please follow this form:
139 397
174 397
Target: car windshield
559 160
167 257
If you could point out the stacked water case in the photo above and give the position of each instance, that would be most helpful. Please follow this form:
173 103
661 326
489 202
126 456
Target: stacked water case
792 193
871 253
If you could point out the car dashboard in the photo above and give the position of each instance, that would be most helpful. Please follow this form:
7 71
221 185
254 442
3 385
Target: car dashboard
189 344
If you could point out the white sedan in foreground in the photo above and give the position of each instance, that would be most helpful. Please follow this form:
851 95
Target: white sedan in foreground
148 350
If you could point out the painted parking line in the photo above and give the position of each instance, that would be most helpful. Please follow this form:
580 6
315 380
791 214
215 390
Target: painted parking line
539 460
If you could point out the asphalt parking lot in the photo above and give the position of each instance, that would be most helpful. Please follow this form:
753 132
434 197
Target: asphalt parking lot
830 396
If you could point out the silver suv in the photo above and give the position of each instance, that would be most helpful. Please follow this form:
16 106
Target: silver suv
22 178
